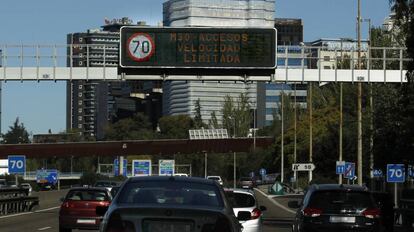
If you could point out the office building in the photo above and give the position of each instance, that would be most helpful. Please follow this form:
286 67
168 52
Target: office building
289 31
91 105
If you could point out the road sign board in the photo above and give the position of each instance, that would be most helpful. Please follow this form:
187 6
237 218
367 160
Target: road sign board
17 164
377 173
340 167
205 48
410 171
262 171
141 168
124 166
395 173
47 176
166 167
303 167
251 174
349 170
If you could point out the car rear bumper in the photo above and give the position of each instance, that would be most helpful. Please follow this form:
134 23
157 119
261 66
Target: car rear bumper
339 228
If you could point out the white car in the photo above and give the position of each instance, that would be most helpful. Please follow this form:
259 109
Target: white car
216 178
244 200
181 174
28 187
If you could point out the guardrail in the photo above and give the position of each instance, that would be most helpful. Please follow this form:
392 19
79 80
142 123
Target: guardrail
16 200
62 176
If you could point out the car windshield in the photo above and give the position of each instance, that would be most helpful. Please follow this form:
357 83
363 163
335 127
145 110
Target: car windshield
87 195
240 200
336 200
214 178
171 192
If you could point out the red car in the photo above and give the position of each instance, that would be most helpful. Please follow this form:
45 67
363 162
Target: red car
78 209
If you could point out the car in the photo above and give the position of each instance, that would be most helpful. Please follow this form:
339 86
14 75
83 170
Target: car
216 178
246 183
78 209
169 203
28 187
108 184
336 207
114 191
245 200
181 174
385 202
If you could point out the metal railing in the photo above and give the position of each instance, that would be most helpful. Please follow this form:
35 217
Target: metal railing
62 175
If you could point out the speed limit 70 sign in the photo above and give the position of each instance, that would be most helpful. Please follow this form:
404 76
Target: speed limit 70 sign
17 164
140 47
395 173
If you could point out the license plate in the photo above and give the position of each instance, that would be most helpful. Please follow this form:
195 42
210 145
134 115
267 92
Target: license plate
167 226
336 219
86 221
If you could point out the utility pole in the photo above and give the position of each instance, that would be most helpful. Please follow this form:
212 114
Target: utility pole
340 127
295 138
282 161
360 179
310 129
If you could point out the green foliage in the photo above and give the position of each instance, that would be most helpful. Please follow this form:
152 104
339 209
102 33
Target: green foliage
175 127
213 122
236 115
136 128
198 120
17 134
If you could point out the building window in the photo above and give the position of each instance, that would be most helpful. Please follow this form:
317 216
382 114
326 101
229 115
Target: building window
326 67
79 118
80 110
80 102
326 58
80 86
80 94
272 98
80 126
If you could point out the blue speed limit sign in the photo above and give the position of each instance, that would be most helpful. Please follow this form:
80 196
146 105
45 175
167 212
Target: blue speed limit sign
17 164
395 173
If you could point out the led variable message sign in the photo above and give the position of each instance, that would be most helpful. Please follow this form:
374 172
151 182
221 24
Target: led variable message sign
200 48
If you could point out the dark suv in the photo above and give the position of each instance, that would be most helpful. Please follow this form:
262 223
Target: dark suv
333 207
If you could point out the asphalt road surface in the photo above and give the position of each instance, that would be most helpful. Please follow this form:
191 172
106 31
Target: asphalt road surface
46 217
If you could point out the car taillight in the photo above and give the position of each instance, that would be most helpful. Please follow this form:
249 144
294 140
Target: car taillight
372 213
256 213
312 212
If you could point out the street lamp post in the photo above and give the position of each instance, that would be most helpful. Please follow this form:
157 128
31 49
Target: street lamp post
360 178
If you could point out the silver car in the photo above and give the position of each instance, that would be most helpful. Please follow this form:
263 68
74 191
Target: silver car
245 200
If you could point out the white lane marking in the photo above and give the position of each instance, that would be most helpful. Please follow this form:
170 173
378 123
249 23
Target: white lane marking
44 228
26 213
275 202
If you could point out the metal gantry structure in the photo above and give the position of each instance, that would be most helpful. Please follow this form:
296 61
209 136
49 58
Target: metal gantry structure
317 64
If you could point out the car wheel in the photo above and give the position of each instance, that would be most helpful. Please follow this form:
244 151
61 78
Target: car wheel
63 229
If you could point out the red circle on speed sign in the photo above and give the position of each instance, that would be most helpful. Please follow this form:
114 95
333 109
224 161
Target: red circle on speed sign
140 47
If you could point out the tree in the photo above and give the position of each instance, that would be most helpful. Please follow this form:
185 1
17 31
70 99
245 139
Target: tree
136 128
236 115
198 120
213 122
175 127
17 134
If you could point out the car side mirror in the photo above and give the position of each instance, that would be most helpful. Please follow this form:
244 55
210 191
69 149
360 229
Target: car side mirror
244 216
262 208
294 204
101 210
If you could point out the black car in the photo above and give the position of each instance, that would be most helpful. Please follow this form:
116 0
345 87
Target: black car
384 201
168 203
333 207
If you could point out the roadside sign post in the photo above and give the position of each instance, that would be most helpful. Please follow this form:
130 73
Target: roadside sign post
16 166
141 168
395 174
117 167
166 167
308 167
349 170
340 169
262 173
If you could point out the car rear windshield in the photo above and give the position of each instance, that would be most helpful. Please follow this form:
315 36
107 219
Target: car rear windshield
337 200
240 200
245 179
87 195
171 193
105 184
214 178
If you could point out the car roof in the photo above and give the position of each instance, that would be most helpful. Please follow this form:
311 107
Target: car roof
172 178
344 187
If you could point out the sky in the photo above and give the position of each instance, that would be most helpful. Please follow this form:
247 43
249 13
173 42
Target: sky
42 106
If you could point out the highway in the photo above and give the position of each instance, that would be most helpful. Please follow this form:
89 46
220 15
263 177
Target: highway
46 217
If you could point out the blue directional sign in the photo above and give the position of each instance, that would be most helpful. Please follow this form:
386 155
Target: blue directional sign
340 167
349 170
141 168
395 173
17 164
262 171
47 176
410 170
377 173
116 167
